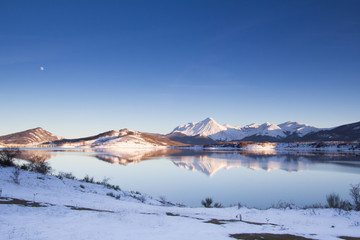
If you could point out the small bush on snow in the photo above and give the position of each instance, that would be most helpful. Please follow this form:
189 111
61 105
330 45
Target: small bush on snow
42 167
7 157
355 195
62 175
333 200
111 194
88 179
207 202
15 176
218 205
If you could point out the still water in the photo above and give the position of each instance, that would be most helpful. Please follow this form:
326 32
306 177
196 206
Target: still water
258 179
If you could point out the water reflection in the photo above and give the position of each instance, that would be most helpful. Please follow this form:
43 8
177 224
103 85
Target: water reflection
36 156
256 179
210 162
130 156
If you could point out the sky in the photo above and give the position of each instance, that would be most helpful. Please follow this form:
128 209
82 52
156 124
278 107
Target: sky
78 68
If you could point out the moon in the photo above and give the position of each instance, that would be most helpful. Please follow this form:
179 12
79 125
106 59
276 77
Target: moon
42 68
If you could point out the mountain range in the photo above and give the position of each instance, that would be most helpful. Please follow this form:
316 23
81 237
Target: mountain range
204 132
254 132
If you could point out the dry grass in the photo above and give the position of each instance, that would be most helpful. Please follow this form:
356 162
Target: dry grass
267 236
349 238
21 202
87 209
224 221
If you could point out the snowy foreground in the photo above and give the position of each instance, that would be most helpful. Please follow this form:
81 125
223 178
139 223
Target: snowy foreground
69 209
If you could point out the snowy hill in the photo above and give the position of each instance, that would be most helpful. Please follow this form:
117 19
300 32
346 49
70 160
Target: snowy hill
123 138
347 132
31 136
254 132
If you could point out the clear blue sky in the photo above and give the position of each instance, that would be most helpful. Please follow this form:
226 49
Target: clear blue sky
152 65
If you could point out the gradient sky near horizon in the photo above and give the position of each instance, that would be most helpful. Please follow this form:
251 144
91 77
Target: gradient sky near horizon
77 68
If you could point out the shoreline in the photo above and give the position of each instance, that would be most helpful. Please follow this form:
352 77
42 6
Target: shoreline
275 148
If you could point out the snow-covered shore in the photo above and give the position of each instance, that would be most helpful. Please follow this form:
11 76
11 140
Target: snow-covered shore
78 210
256 147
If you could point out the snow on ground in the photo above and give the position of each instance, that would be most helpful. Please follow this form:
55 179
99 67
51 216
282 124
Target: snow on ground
82 210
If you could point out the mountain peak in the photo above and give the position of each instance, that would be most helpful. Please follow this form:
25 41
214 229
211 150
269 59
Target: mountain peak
297 128
205 127
208 119
288 123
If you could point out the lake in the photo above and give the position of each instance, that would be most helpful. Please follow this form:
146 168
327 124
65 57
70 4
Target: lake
254 179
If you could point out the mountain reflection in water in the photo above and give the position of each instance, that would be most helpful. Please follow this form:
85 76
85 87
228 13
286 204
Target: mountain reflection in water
210 162
256 179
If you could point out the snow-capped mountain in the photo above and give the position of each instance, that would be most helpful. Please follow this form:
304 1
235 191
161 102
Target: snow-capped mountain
253 132
298 128
266 129
206 127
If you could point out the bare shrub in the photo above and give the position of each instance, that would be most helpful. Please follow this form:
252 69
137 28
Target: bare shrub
218 205
115 187
207 202
42 167
105 181
88 179
7 157
15 176
116 196
345 205
140 198
315 205
283 205
333 200
110 194
62 175
355 195
25 167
